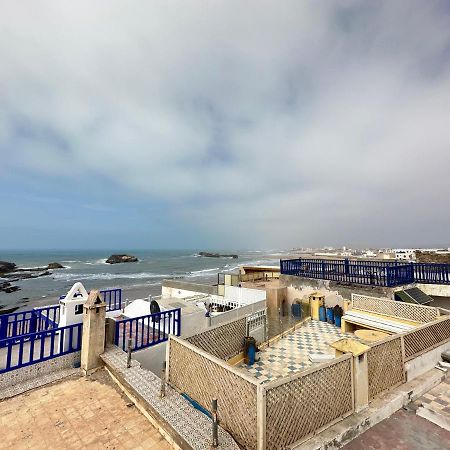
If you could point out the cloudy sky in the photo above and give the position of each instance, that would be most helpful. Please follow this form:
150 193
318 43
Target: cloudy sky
224 124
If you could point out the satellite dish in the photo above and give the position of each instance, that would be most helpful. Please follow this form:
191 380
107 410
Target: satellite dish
154 307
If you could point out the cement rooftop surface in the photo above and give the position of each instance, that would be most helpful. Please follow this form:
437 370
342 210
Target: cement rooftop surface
437 400
404 430
291 354
76 413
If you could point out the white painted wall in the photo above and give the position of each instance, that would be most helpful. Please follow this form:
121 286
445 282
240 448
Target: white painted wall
244 296
425 362
70 304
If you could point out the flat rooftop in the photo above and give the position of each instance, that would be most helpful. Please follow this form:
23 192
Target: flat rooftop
290 354
270 283
76 413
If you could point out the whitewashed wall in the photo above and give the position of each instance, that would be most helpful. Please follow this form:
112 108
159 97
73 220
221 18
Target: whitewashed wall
244 296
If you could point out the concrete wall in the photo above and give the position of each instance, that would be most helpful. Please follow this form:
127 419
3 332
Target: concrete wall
244 296
425 362
152 358
438 290
236 313
39 369
180 289
335 293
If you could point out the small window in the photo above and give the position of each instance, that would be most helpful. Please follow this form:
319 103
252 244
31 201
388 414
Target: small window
78 309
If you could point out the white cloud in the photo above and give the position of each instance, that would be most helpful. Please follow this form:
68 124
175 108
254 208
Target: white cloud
277 123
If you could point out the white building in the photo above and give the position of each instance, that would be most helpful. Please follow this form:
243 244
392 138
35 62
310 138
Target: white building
405 254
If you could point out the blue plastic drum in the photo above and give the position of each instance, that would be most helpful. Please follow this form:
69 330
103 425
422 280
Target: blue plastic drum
330 315
322 314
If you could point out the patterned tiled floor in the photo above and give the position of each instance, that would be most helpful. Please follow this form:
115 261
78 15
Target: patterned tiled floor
291 354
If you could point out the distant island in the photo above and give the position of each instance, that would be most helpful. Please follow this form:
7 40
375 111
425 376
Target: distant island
117 259
217 255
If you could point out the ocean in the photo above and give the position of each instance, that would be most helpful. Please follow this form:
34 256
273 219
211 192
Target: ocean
90 268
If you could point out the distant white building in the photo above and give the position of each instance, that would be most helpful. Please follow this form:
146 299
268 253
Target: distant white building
369 254
405 254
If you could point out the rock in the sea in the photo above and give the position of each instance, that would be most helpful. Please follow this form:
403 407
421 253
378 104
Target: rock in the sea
55 265
116 259
6 267
8 288
216 255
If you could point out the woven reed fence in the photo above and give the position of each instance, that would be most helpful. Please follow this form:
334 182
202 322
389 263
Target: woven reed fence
299 406
223 341
407 311
386 368
204 377
426 337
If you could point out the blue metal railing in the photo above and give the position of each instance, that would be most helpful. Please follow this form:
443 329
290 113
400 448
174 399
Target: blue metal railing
149 330
25 322
432 273
112 298
372 273
32 348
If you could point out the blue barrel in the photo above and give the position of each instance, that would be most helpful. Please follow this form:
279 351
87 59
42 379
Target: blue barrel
251 354
337 321
322 314
330 315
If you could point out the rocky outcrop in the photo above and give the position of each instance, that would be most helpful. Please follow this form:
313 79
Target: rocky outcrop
55 265
6 267
216 255
117 259
6 287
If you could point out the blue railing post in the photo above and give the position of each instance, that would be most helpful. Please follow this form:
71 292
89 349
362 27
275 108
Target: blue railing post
3 327
33 322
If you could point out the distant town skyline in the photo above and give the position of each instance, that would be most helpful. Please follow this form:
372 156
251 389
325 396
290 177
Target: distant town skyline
224 126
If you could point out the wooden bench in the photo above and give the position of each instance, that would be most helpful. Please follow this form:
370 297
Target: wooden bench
360 319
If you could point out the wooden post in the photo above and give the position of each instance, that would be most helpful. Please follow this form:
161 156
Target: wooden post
215 424
260 417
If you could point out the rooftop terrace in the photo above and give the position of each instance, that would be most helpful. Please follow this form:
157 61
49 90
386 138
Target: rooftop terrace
291 353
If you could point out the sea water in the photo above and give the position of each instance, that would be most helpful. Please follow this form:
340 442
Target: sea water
90 268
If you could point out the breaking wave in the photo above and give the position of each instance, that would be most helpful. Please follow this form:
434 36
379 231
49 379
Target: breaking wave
108 276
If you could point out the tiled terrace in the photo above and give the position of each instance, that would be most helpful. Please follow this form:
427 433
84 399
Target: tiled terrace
76 413
291 354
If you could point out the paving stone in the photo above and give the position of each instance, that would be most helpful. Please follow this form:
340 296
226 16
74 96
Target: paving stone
56 417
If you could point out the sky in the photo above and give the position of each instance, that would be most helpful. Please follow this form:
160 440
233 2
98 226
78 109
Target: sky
224 124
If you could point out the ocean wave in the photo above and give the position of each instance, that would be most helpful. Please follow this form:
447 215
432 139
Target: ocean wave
199 273
96 262
108 276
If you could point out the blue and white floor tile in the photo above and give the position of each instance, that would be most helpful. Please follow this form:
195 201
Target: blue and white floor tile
291 354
